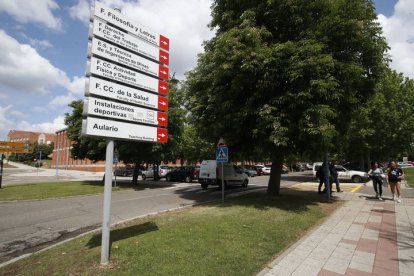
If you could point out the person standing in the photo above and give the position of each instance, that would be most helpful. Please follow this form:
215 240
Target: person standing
334 176
375 174
321 177
395 175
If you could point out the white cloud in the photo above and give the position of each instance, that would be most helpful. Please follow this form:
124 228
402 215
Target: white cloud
50 127
59 101
4 96
5 122
184 22
42 44
400 36
40 109
81 10
22 68
77 86
39 11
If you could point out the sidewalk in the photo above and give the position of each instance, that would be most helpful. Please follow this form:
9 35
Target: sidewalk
364 237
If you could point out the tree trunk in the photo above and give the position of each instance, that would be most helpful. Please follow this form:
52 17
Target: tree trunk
273 187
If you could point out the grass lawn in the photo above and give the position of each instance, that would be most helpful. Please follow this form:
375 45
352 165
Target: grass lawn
57 189
238 237
409 176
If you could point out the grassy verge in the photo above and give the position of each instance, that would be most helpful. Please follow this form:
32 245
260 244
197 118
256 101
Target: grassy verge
56 189
235 238
409 176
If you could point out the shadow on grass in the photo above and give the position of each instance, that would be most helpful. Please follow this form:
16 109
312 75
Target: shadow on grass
123 233
127 184
256 196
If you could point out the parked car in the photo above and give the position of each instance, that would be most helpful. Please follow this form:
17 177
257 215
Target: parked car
266 170
404 164
124 171
285 169
259 169
212 173
250 171
187 174
298 167
162 172
308 166
344 173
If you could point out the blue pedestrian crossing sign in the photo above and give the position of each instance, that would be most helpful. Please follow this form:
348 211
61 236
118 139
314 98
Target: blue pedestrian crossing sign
222 154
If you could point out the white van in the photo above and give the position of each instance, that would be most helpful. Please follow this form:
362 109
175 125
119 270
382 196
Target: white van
211 172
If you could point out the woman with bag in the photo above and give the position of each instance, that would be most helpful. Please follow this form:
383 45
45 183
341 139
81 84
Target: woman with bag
395 175
375 174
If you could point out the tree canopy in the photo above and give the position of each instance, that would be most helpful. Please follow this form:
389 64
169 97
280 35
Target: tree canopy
283 75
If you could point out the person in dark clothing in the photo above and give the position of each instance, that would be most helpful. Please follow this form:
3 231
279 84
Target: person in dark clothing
334 176
395 175
320 173
321 177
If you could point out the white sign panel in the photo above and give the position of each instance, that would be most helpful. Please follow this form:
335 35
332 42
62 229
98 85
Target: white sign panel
114 53
103 88
122 22
114 129
122 74
109 109
124 39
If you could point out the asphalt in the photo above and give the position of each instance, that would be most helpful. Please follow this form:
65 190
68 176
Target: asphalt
365 236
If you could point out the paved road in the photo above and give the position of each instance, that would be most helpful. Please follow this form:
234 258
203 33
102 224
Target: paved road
30 225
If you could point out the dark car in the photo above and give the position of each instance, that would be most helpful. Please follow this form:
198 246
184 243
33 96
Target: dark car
187 174
124 171
298 167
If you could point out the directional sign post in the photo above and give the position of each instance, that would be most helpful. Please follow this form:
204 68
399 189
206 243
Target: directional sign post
126 90
222 156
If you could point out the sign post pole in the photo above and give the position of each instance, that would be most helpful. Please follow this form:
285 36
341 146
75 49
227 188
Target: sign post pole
107 202
222 156
222 182
1 168
57 158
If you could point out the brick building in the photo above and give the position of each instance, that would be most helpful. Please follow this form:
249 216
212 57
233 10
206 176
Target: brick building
63 157
30 137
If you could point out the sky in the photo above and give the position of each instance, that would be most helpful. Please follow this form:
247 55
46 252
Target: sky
43 50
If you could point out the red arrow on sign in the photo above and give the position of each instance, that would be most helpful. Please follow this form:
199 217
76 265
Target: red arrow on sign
162 87
163 72
162 135
164 57
164 43
162 119
162 103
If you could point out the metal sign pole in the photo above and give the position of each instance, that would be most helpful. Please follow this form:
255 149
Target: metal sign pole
1 169
222 181
57 158
106 224
327 179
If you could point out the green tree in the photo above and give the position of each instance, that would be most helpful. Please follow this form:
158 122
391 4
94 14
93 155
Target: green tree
284 74
382 129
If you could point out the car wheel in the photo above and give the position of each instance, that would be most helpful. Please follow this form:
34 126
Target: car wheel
204 186
188 179
245 183
144 177
356 179
168 178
